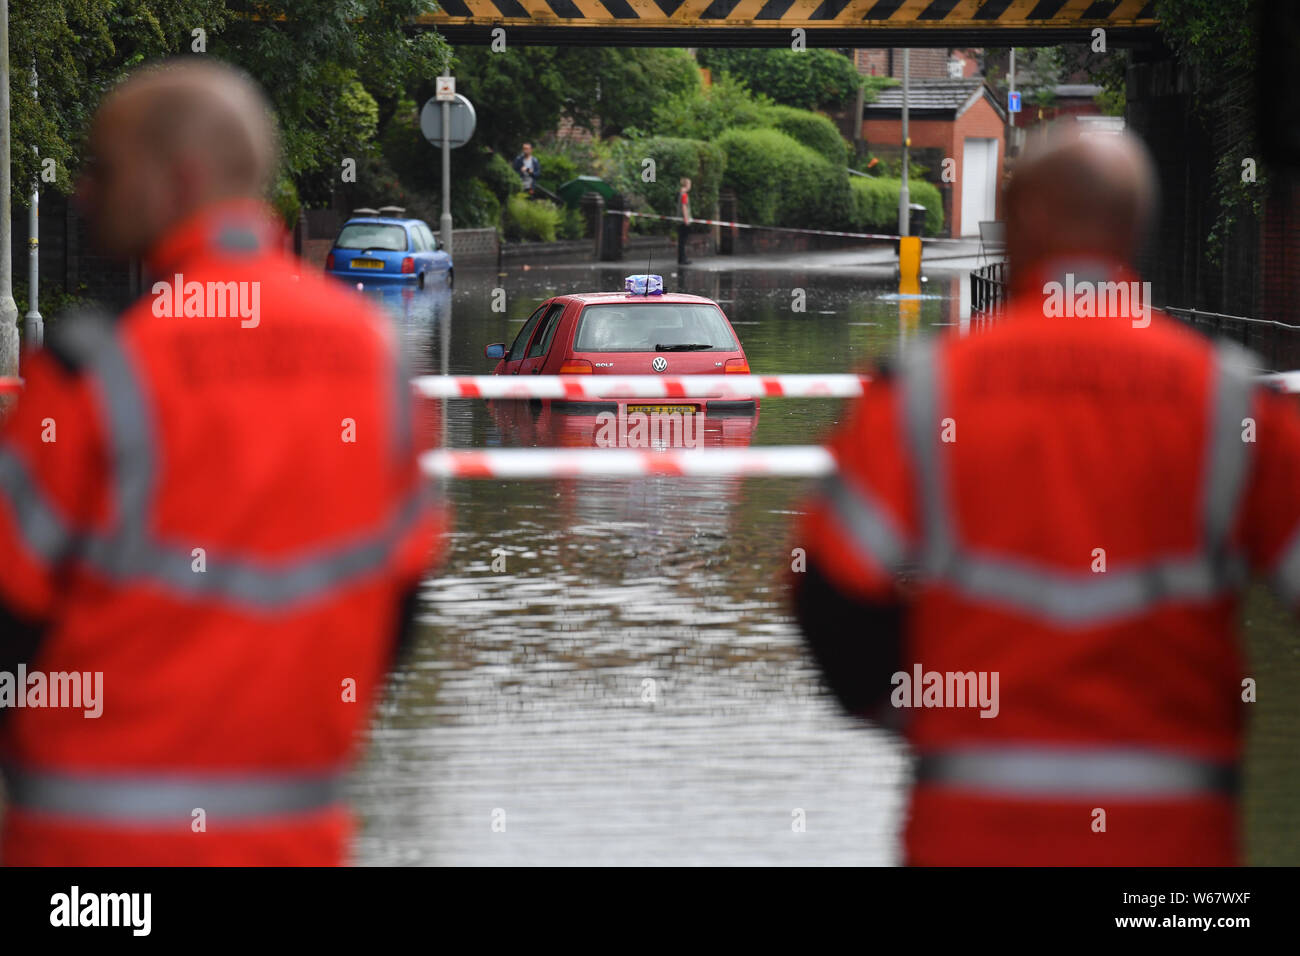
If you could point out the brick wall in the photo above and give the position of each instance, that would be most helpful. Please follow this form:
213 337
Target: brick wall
925 63
474 245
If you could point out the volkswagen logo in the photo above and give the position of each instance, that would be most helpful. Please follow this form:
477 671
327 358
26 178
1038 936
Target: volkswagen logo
659 364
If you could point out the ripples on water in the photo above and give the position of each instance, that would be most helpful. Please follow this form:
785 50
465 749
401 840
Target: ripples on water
630 688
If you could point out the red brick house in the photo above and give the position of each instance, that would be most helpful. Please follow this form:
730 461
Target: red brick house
955 119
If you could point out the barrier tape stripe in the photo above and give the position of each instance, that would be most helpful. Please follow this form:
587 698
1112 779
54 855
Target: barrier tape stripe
631 214
614 387
658 386
617 387
785 461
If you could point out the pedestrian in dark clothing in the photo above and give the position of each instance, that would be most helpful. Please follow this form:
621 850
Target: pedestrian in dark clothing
528 167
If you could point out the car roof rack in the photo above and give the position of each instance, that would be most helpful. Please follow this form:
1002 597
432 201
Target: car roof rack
365 211
391 210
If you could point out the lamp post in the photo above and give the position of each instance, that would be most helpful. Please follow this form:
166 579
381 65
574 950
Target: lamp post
8 307
904 199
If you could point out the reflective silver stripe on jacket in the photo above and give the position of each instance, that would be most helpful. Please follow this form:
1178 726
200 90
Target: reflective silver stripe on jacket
41 529
169 799
1039 772
1081 598
870 527
1286 572
127 554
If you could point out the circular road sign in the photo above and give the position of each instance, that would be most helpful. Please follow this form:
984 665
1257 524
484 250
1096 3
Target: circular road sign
462 121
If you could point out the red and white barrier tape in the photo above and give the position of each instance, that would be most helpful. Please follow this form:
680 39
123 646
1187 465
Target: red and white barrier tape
632 214
612 387
10 386
1287 381
788 461
619 387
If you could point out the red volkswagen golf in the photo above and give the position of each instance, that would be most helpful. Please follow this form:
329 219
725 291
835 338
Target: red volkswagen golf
632 333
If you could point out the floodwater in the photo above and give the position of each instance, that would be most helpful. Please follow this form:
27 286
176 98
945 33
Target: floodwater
606 671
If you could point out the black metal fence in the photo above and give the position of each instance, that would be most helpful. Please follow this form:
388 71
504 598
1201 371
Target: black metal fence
988 294
1276 343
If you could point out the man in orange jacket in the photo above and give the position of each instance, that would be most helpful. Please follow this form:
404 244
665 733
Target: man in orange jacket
1032 553
212 524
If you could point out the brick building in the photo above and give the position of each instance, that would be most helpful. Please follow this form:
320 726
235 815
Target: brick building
948 119
925 63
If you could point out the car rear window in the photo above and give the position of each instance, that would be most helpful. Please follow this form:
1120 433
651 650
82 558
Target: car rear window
372 235
648 327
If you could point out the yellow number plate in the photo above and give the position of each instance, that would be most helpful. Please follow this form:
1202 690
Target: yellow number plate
664 409
367 264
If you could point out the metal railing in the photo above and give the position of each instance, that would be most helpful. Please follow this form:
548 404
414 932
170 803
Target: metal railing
1274 342
988 294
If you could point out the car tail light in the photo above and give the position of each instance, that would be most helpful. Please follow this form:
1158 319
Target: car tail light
408 264
329 261
737 366
576 367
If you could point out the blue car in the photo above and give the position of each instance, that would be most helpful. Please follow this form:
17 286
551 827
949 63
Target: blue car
380 245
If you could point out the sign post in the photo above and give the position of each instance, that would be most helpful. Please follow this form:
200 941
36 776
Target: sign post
446 95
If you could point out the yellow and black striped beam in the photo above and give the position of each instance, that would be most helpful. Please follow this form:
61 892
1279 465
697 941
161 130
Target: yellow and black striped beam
838 23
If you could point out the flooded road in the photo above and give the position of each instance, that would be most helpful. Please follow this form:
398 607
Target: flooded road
606 671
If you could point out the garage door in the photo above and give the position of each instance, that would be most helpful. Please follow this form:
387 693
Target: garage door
979 168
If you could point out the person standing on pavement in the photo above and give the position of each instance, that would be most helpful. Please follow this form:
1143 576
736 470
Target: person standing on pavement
684 211
1032 554
210 510
528 167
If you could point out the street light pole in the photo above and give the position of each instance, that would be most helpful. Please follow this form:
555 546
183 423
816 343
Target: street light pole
33 324
8 307
904 199
446 177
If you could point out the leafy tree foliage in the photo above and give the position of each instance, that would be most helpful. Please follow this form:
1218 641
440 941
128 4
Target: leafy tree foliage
808 79
330 68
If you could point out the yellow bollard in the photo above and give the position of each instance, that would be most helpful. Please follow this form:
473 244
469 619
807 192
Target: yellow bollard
909 284
909 259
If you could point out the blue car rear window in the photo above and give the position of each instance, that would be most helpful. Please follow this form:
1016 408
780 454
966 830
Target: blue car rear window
640 327
372 235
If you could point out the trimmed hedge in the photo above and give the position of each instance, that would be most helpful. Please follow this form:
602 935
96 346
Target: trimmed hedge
526 218
812 129
781 182
875 203
674 158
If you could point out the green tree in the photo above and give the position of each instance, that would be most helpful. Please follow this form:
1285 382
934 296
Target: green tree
808 79
1218 41
618 88
726 104
329 67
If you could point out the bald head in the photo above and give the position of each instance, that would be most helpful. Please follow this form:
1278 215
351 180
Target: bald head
1078 196
170 140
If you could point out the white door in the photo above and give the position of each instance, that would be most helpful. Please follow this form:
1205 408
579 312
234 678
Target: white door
979 170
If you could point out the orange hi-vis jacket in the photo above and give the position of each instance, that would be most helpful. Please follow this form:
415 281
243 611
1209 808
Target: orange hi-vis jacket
1072 505
214 504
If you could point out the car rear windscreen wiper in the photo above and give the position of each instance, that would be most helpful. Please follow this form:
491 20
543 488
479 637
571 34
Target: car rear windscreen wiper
692 347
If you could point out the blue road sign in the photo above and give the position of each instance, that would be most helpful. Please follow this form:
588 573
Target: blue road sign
1013 102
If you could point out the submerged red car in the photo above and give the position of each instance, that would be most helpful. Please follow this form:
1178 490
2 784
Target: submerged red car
642 331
